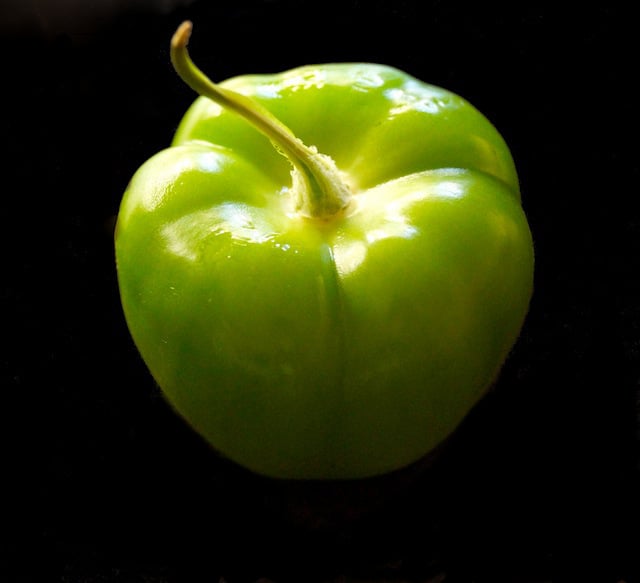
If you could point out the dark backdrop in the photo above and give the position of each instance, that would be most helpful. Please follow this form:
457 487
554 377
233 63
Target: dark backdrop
107 485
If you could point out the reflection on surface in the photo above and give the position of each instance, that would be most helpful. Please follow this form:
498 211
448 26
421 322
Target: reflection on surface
414 96
185 236
384 213
167 175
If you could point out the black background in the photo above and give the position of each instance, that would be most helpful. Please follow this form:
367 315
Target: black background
107 485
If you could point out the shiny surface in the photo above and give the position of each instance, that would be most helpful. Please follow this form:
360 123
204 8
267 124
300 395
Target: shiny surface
339 349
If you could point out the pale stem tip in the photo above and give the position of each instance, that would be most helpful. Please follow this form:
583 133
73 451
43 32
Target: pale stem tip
182 35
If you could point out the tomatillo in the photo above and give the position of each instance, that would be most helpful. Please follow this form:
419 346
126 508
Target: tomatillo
327 269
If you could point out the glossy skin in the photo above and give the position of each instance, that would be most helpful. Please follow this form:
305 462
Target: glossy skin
339 348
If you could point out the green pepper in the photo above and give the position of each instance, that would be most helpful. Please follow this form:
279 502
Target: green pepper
327 268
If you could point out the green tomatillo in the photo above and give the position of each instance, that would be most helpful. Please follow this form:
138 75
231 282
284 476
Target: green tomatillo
327 269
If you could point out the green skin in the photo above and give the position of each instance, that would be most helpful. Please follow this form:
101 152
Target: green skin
310 336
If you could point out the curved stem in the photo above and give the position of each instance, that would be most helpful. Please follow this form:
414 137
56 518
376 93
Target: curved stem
318 188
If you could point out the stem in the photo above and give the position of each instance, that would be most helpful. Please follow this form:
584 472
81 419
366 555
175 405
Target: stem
318 188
